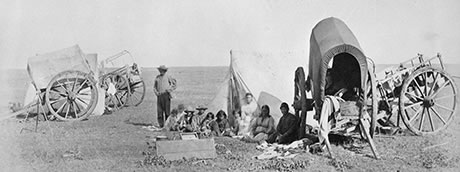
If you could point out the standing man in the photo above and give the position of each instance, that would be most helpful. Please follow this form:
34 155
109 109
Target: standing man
163 87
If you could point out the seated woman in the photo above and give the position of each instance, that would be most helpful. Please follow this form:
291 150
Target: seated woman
206 124
263 126
286 131
221 125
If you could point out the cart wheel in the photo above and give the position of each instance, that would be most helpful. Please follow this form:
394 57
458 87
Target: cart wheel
71 95
427 102
137 92
300 99
117 91
371 102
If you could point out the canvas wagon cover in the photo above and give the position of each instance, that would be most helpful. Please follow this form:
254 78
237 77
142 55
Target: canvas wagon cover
43 67
329 38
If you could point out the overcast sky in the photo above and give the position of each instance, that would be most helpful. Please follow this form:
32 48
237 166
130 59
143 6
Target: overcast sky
201 33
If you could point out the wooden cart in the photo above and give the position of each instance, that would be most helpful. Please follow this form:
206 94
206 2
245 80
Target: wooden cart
125 75
418 91
64 82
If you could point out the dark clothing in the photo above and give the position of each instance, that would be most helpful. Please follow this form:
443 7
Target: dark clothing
163 87
163 108
286 131
188 124
223 125
221 128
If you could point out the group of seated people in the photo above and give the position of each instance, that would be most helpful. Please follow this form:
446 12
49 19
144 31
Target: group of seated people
262 127
208 124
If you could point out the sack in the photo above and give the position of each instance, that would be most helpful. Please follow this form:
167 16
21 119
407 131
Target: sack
349 108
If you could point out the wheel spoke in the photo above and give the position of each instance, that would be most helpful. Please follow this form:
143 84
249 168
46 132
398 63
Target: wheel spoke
451 95
421 120
434 83
67 111
439 116
80 86
61 85
118 101
443 107
57 92
430 118
60 108
134 96
84 97
84 94
58 100
416 115
76 107
412 105
78 98
418 86
436 92
426 83
413 95
75 82
84 103
123 95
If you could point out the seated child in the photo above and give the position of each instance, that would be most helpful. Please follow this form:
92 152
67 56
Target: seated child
221 125
206 124
170 123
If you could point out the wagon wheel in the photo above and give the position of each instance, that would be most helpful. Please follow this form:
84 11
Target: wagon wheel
371 102
71 95
300 99
137 92
427 102
117 93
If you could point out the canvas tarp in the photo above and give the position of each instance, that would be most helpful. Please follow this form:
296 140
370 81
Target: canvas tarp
268 76
329 38
43 67
92 61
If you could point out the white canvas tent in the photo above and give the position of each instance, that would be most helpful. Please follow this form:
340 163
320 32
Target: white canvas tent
269 76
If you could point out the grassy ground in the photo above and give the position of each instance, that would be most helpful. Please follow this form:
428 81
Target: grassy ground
115 142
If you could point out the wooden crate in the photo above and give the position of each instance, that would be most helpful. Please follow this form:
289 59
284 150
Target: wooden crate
178 149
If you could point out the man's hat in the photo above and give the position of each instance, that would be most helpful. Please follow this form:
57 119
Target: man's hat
189 109
162 67
201 107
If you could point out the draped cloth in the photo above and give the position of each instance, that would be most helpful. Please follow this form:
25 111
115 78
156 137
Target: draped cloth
331 106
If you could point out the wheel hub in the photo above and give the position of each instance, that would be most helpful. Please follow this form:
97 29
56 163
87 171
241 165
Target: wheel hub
71 96
428 102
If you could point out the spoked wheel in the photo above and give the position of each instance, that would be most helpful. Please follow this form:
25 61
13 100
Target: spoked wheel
137 91
300 99
371 102
117 92
427 102
71 95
